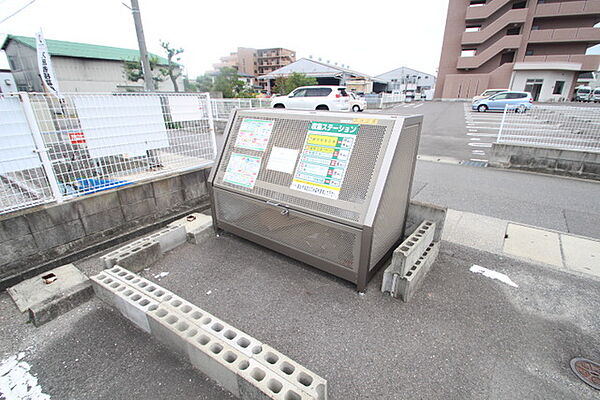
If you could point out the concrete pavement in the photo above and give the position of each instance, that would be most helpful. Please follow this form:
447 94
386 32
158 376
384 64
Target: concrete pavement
563 204
463 336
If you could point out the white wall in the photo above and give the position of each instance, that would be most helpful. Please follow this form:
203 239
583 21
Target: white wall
7 83
519 79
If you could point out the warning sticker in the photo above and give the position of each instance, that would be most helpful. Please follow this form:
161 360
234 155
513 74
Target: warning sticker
254 134
324 158
242 170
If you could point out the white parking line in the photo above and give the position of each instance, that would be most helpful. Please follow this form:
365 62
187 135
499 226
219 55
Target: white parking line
480 144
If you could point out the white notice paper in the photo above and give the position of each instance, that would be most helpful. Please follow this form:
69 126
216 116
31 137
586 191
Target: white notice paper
283 160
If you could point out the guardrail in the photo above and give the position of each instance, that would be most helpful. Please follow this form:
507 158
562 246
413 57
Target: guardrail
556 127
53 149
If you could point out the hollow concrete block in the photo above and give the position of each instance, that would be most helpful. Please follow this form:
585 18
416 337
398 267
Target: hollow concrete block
405 287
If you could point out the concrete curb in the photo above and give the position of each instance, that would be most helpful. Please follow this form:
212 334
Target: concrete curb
235 360
40 314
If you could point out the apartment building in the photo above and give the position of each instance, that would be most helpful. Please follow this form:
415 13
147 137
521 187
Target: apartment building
244 60
538 46
271 59
256 62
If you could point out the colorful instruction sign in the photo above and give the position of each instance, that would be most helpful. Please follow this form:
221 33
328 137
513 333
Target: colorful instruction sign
324 158
254 134
242 170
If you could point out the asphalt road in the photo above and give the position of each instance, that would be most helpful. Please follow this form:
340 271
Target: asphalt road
453 130
463 336
564 204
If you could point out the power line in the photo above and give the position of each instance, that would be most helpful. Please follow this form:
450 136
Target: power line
18 11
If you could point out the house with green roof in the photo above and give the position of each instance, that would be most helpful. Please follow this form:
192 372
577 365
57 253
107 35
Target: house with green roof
79 67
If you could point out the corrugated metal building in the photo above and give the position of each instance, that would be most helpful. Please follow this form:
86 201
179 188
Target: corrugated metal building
79 67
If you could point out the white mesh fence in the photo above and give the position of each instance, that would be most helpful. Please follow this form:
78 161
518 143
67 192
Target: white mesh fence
558 127
222 108
86 142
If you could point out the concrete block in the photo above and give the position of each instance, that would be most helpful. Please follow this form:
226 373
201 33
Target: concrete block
140 284
217 360
420 211
193 222
103 220
135 256
169 200
169 237
140 209
59 234
36 290
256 382
413 247
171 330
201 234
304 379
167 185
135 194
132 304
13 228
42 313
96 203
405 287
15 249
51 216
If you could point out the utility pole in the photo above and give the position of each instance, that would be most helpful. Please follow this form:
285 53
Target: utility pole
139 30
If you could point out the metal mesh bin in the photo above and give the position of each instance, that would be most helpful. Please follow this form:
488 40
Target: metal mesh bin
325 188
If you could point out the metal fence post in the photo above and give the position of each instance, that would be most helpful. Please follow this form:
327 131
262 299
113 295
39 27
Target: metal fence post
502 123
41 147
211 123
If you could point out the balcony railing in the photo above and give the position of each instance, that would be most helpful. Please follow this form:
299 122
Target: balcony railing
511 17
589 62
507 42
565 35
482 12
588 7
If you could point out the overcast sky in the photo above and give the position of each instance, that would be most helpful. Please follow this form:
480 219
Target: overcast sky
370 36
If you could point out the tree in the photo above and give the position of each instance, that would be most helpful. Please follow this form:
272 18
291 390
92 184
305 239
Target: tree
284 85
204 83
228 82
134 73
172 70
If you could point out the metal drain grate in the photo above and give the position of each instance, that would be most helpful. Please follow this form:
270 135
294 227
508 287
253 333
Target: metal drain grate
587 370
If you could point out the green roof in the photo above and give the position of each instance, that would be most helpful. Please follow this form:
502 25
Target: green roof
84 50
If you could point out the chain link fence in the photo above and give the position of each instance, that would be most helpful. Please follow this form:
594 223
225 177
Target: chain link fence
53 149
557 127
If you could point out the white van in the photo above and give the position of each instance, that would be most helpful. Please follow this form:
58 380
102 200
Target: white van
595 95
583 93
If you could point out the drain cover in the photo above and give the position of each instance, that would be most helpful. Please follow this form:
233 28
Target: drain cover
588 371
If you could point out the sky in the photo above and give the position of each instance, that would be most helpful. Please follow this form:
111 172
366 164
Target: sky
371 37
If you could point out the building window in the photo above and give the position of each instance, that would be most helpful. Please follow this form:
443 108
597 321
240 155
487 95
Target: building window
473 28
468 53
528 52
519 4
535 28
476 3
558 87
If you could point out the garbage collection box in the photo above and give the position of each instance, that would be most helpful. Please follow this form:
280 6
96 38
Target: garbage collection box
329 189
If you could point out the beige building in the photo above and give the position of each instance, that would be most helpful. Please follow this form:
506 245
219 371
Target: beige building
79 67
257 62
537 46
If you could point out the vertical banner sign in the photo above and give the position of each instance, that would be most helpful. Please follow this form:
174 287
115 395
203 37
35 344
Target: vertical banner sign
45 66
324 158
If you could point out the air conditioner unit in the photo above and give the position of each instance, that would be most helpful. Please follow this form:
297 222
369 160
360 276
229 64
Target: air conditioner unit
329 189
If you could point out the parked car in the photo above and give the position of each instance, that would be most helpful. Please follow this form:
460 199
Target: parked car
583 93
357 103
595 95
488 93
334 98
519 101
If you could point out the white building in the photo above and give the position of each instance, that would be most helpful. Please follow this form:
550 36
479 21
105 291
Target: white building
403 79
79 67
